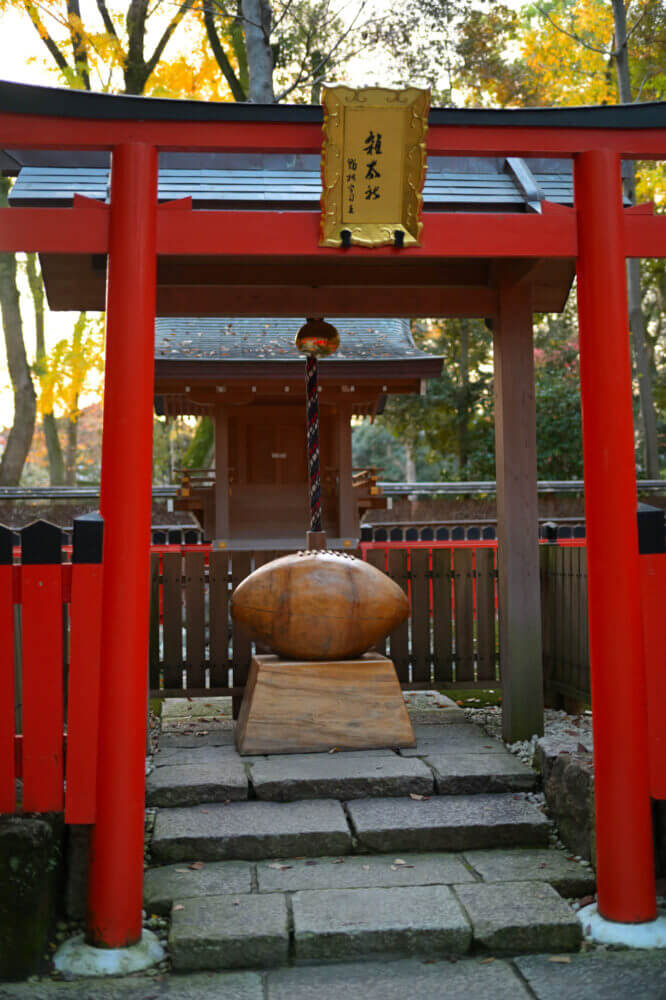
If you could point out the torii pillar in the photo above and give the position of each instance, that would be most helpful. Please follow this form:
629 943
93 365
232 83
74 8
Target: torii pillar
517 511
115 885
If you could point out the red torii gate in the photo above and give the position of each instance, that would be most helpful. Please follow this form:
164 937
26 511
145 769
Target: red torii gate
133 230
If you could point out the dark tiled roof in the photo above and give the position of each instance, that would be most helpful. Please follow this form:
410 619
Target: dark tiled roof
274 179
232 339
28 99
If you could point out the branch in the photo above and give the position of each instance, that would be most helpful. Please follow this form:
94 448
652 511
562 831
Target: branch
185 6
106 18
327 60
285 10
43 33
635 24
570 34
216 7
221 56
648 76
78 44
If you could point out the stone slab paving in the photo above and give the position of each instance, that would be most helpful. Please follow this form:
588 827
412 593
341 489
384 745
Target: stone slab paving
464 737
349 923
514 917
596 975
197 755
195 708
226 932
191 784
339 776
529 864
448 823
195 986
365 871
162 885
435 717
217 737
251 830
406 979
474 773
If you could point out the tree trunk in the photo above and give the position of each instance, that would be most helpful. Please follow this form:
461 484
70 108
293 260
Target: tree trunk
463 398
53 449
25 406
72 446
636 319
410 464
257 23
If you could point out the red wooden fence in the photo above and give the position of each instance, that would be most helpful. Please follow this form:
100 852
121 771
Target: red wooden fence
52 648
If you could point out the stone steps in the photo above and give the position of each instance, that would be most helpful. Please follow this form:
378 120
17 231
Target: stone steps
268 862
449 759
239 915
311 828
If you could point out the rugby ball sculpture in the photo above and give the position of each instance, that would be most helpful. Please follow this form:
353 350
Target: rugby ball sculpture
319 605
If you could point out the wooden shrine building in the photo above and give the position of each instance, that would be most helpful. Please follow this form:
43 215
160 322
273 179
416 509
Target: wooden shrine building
247 376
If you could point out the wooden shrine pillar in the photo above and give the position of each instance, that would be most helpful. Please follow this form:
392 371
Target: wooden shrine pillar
348 526
221 472
625 857
517 513
115 882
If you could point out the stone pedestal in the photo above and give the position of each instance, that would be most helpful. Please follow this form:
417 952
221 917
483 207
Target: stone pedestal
297 706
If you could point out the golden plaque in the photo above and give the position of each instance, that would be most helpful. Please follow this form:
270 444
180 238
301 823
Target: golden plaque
373 166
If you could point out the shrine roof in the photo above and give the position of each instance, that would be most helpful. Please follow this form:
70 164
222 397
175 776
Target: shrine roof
27 99
229 339
267 180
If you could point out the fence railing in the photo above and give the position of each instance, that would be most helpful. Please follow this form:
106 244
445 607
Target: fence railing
566 655
50 612
471 529
450 637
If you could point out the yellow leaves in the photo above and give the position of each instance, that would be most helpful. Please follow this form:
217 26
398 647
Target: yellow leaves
568 47
193 72
71 367
572 70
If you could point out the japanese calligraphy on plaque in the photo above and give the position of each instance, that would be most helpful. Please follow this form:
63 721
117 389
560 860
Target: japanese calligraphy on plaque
373 166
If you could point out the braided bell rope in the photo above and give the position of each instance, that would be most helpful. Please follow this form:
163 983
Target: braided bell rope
313 441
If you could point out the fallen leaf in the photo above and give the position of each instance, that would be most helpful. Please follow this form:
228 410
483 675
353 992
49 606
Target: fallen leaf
487 961
418 798
562 959
311 862
333 750
339 861
178 906
182 871
279 867
196 866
